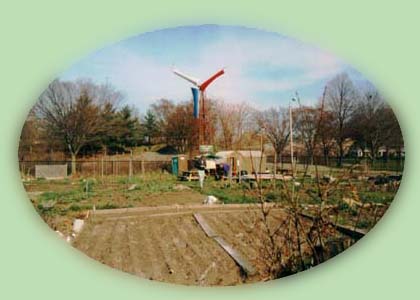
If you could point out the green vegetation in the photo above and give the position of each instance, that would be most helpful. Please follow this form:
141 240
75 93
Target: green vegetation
123 191
377 196
62 197
71 197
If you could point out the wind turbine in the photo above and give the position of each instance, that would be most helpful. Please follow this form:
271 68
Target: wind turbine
198 91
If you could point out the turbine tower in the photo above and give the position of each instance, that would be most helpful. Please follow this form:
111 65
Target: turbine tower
200 111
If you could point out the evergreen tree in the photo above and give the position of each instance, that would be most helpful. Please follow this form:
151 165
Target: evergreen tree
150 127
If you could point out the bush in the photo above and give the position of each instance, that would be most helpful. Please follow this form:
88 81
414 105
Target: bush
87 185
107 206
48 196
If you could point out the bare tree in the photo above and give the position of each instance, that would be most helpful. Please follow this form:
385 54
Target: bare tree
302 237
374 123
163 109
393 138
276 124
181 131
306 125
369 120
71 113
326 135
232 122
29 135
340 101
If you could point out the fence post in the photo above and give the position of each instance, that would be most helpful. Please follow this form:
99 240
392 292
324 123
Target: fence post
275 167
130 166
113 168
102 167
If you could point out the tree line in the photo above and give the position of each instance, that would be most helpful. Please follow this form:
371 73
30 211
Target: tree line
344 115
81 117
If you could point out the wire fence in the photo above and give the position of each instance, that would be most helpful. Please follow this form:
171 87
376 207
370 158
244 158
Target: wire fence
100 167
133 167
374 164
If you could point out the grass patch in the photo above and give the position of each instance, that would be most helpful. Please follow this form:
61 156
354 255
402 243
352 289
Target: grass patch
49 196
377 197
230 195
63 197
107 206
77 207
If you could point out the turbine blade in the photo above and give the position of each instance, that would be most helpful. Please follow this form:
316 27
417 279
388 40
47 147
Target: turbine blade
193 80
206 83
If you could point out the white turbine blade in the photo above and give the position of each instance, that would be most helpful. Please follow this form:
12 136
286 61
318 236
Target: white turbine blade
193 80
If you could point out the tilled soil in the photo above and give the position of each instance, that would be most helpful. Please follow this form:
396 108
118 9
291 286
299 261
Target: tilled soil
166 246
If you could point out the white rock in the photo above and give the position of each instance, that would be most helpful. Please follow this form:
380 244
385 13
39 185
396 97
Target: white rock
210 200
132 187
181 187
78 225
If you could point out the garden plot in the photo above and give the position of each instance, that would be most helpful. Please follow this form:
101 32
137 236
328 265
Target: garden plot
167 244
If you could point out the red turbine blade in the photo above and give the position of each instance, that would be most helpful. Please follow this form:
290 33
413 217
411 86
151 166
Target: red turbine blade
206 83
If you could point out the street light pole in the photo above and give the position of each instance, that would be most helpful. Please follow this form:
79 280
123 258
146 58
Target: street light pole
262 132
291 137
294 99
291 144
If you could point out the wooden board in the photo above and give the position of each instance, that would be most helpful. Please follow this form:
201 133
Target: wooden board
352 232
238 258
204 225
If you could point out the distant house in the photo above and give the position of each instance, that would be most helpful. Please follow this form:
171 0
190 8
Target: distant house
391 152
383 152
243 160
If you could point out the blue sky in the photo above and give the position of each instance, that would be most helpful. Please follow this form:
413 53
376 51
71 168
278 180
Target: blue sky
262 68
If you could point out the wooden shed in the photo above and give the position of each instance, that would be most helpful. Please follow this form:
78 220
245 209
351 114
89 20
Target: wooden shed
243 160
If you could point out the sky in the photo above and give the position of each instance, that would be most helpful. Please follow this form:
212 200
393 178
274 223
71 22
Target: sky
262 68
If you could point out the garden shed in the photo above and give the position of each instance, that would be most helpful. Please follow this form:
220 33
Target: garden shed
243 160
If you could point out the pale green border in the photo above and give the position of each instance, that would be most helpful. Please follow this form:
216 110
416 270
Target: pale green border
41 38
